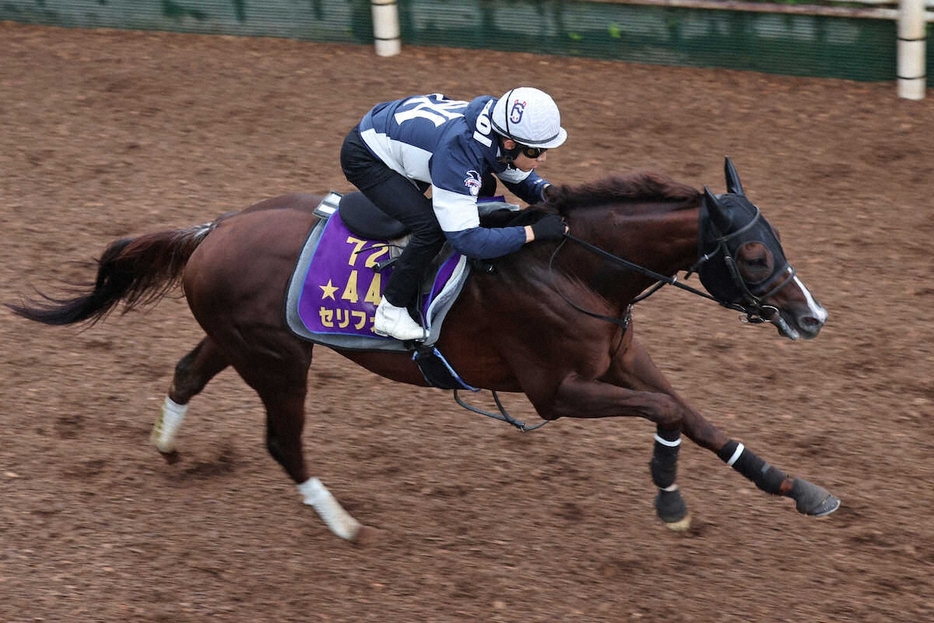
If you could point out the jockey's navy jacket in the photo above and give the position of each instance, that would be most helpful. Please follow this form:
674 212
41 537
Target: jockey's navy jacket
451 145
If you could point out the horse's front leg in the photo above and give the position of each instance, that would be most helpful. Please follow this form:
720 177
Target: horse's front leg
633 368
634 386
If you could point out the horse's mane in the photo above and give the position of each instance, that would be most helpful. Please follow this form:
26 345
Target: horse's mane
639 187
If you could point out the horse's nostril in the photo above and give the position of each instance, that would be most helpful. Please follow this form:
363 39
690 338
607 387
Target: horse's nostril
811 322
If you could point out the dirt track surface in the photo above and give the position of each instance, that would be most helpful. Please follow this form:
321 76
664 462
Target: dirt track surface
109 134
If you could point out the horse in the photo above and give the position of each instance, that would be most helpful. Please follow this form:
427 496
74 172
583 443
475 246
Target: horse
551 321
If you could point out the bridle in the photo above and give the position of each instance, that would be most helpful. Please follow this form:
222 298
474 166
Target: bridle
752 301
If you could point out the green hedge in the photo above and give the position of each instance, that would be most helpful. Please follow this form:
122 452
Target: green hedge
858 49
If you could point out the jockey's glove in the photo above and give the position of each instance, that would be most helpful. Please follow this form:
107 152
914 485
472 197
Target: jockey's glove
550 227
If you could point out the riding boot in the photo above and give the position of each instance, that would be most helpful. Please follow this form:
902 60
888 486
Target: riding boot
393 321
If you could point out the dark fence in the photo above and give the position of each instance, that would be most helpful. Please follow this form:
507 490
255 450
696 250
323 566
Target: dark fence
792 44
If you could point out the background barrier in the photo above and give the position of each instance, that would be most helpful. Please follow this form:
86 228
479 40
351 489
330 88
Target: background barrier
851 43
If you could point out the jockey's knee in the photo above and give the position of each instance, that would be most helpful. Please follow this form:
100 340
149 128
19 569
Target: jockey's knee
427 231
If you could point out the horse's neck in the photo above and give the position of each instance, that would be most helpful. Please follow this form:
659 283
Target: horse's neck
662 242
672 247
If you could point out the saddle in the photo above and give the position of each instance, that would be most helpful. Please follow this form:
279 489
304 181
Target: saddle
365 219
337 282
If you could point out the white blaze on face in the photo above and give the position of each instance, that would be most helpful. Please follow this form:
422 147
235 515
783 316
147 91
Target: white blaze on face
817 311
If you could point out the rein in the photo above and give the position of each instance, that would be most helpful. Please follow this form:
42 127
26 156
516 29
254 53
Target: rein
623 321
662 279
627 315
754 309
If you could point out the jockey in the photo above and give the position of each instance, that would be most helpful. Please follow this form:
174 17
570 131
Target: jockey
402 148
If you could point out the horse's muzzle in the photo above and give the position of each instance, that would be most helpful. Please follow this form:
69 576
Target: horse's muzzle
805 326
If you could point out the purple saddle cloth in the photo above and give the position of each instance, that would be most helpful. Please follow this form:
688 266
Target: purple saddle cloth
334 290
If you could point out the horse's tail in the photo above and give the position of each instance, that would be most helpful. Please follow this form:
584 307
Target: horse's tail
138 271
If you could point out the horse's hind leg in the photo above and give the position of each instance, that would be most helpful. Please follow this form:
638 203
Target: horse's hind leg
282 384
192 373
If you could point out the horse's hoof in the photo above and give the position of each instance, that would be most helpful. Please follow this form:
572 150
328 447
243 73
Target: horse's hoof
682 525
172 457
671 509
827 506
367 536
812 500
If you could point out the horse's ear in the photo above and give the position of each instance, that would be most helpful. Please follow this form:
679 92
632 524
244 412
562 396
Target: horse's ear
733 185
716 211
710 199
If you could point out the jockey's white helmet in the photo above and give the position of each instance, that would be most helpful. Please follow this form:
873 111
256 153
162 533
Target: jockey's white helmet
530 117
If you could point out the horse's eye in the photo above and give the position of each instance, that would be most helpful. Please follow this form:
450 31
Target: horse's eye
755 261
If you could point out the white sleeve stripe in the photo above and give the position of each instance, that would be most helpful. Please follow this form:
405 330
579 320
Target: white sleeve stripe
406 160
455 211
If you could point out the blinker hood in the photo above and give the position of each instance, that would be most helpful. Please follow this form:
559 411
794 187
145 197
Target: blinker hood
714 273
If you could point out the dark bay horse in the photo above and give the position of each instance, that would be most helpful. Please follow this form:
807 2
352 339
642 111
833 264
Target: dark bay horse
551 321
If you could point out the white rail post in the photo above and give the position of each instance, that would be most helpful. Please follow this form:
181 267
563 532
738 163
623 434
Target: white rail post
386 27
912 32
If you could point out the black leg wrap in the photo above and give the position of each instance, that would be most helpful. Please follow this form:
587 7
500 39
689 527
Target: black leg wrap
766 477
770 479
664 463
727 450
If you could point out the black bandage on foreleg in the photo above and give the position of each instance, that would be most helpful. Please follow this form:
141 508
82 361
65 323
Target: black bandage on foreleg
747 463
664 463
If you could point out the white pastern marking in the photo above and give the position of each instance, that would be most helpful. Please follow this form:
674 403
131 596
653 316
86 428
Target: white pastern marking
166 427
329 509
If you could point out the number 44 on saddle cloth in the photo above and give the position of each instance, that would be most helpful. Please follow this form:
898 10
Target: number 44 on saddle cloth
337 284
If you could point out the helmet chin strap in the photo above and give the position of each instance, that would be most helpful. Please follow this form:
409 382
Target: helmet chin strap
509 155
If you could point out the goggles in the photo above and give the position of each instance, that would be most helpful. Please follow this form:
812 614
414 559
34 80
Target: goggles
532 152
